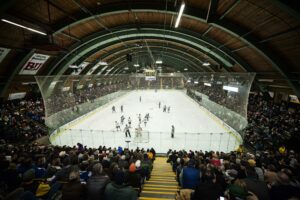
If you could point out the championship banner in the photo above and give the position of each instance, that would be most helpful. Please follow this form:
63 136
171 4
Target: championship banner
3 53
80 68
33 65
150 75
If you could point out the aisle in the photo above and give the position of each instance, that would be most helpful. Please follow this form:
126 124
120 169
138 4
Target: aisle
162 184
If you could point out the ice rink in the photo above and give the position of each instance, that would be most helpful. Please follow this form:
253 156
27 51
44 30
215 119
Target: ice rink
195 127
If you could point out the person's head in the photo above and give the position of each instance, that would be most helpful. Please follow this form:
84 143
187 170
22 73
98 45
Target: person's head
119 177
74 174
97 169
209 177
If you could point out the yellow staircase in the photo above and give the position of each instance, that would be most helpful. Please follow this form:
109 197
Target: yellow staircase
162 184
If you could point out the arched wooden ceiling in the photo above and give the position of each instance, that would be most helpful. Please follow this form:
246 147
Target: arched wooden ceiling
234 35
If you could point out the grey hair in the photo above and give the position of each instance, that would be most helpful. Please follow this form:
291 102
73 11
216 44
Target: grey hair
97 169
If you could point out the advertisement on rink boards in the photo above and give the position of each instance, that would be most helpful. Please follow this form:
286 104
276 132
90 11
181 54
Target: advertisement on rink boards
3 53
34 64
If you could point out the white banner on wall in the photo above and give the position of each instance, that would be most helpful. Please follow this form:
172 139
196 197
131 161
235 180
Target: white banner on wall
18 95
34 64
80 68
3 53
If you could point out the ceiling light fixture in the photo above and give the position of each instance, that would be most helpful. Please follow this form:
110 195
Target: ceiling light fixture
158 62
25 27
136 65
230 88
102 63
180 14
206 63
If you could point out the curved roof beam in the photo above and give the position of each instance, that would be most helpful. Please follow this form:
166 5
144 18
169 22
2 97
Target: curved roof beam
99 41
170 59
177 57
124 51
197 14
159 51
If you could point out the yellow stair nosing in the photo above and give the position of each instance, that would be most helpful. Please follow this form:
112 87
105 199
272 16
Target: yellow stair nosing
153 198
154 192
158 185
159 188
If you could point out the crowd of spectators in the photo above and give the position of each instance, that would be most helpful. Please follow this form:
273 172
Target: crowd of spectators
22 120
236 175
50 172
270 124
217 94
60 100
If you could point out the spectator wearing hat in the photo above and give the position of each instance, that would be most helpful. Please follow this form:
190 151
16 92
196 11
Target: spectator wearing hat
96 183
134 179
28 181
118 189
190 176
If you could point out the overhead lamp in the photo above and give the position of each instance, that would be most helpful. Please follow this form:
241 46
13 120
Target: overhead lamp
158 62
103 63
196 82
179 15
136 65
126 68
73 66
230 88
207 84
206 63
25 27
185 69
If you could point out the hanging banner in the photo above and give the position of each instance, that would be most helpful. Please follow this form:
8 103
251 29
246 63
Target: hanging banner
33 65
3 53
80 68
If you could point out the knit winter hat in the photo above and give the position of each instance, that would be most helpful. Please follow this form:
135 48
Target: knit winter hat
132 167
251 162
29 175
138 163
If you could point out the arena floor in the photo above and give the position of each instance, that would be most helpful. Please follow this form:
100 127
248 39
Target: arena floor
195 128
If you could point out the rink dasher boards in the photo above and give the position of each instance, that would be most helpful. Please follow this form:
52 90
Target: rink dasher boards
195 129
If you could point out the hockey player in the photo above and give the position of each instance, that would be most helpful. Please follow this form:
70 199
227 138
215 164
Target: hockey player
129 121
138 131
118 126
140 118
121 108
165 108
140 98
145 121
159 104
122 119
113 109
127 132
168 109
147 116
172 131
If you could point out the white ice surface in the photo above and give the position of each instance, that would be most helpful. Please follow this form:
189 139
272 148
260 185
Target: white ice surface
193 126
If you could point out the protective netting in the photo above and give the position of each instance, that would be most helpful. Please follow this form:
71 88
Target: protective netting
67 98
223 94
